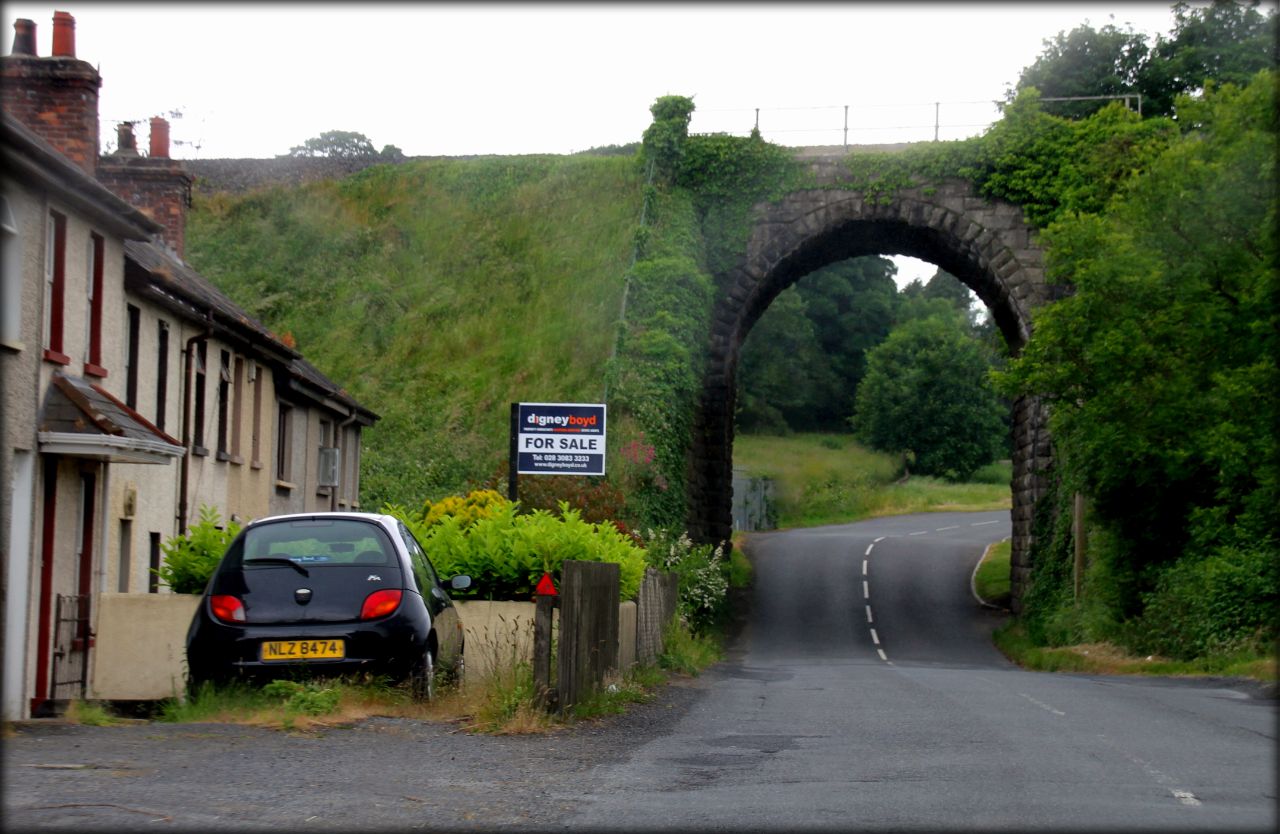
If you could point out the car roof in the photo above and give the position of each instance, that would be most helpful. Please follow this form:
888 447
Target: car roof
379 518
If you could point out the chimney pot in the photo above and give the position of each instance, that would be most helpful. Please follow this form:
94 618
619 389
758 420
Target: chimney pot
64 35
159 138
126 142
24 37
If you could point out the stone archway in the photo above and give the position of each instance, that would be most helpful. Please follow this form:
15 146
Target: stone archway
986 244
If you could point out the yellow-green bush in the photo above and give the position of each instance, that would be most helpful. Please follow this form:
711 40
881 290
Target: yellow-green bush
506 553
468 509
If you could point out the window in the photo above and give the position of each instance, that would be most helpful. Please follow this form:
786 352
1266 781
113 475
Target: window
255 377
224 395
162 372
284 443
323 470
131 357
10 279
202 353
93 323
126 555
55 281
237 389
153 582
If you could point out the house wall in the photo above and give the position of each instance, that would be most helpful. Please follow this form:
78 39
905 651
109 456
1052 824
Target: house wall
232 482
20 475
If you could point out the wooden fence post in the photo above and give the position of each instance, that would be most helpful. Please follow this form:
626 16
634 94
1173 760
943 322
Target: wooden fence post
588 628
544 605
655 606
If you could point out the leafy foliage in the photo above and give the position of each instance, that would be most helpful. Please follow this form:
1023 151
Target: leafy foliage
665 137
804 358
926 395
1086 62
505 553
703 595
340 144
1222 42
1160 369
190 559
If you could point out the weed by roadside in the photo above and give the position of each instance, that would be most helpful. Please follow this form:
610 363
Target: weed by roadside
1109 659
91 714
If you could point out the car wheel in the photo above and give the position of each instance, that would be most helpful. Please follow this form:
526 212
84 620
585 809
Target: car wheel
422 680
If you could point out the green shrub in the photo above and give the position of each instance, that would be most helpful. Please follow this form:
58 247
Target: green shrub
310 697
190 560
703 571
1217 604
506 553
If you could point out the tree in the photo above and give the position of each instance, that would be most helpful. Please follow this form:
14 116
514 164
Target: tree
782 369
1160 365
926 395
1085 62
1224 43
336 144
806 355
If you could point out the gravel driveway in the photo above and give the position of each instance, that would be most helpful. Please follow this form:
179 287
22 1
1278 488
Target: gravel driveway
380 774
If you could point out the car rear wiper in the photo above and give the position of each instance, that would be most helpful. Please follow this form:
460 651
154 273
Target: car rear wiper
278 560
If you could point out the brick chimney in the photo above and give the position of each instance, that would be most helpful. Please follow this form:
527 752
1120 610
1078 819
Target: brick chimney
158 185
56 97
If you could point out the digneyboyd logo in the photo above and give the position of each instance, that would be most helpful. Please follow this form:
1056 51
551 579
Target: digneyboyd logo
561 420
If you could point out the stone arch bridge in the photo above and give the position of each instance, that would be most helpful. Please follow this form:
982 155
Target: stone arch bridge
985 243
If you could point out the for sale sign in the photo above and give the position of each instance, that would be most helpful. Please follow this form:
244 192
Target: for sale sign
560 439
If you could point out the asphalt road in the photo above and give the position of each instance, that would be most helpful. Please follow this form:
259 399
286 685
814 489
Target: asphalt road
866 694
863 694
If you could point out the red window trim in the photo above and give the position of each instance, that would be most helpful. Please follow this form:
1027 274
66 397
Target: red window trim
95 308
58 290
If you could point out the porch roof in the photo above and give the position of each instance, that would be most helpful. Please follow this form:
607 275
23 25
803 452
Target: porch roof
81 419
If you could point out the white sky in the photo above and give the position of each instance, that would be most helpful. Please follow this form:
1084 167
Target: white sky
254 79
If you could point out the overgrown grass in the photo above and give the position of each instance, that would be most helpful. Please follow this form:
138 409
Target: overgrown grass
1109 659
91 714
500 700
688 653
992 580
468 284
832 479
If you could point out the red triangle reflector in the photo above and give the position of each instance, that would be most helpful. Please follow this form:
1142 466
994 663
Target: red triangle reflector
546 588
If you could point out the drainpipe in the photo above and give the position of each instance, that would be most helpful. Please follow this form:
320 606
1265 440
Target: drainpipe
340 445
188 368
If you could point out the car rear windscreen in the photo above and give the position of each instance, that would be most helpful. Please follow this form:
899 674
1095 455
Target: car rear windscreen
317 542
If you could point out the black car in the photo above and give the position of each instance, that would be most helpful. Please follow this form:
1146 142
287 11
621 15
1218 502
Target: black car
329 594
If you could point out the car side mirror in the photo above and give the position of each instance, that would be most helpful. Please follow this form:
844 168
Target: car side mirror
460 582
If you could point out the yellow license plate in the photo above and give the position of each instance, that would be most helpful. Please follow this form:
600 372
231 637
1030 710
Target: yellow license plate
295 650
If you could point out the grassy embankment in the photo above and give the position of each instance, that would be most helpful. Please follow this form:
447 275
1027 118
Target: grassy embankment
992 584
437 293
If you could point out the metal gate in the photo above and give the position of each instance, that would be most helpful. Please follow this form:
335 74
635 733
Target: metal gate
71 643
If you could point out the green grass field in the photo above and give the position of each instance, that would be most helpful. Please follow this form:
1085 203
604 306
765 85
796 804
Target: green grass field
832 479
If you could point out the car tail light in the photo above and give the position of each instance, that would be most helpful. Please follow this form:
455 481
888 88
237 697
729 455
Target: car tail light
227 608
380 604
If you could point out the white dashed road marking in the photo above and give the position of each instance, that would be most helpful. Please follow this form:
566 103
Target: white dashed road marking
980 523
952 527
868 613
1042 704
